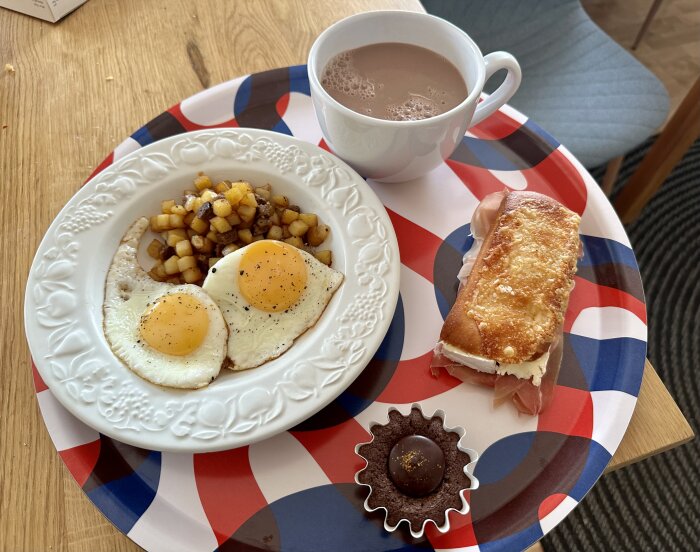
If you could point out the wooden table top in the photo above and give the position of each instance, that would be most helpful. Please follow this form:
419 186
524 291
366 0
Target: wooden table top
78 88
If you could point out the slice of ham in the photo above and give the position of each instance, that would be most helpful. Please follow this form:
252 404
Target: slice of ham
527 397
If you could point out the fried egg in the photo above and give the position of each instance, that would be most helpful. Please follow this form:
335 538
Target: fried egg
171 335
270 293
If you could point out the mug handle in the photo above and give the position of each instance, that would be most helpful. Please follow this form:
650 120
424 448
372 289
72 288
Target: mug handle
494 62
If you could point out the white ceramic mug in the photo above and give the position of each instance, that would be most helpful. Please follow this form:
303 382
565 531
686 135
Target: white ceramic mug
395 151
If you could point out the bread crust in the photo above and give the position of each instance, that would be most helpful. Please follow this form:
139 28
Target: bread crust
516 295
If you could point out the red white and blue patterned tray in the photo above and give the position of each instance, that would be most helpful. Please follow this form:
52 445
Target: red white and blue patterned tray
295 491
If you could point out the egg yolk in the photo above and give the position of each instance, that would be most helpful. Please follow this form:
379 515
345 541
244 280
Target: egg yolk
175 325
272 275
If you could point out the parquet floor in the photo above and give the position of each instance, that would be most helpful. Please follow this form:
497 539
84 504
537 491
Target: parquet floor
671 46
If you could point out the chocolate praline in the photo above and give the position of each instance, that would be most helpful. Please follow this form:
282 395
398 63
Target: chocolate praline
428 491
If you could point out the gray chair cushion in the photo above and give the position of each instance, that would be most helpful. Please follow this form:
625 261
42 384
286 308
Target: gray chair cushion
578 83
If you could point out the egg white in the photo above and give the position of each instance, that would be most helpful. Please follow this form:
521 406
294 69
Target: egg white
256 336
128 292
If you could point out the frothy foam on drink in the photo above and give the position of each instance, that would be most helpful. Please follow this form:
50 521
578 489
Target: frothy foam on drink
393 81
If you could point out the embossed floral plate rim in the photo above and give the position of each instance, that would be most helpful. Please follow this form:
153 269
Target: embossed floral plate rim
65 288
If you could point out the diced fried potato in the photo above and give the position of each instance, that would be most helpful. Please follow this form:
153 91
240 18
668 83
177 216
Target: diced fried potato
208 195
220 224
246 212
244 186
177 221
258 237
213 237
202 182
280 201
155 248
202 244
192 275
175 236
275 219
167 205
285 231
249 199
200 226
222 208
153 221
170 265
198 202
230 248
222 186
183 248
296 241
234 196
310 219
325 256
298 228
263 192
245 235
184 263
163 222
213 261
317 234
178 210
234 219
274 233
289 216
189 202
189 217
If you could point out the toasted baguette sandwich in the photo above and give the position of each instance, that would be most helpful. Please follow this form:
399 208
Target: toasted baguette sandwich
506 323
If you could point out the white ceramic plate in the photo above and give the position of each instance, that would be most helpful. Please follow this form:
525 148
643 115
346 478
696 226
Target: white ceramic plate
65 290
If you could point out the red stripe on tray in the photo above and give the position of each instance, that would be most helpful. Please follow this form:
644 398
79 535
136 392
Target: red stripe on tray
221 477
570 413
39 383
413 381
333 449
417 246
81 460
587 294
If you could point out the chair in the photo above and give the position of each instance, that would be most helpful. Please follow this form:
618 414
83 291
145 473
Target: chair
578 84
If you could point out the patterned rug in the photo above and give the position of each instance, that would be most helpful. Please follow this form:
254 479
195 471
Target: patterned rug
655 504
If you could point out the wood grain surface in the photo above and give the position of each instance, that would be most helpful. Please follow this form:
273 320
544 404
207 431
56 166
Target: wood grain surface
78 88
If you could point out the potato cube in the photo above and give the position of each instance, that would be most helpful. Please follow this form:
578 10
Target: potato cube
175 236
197 204
274 233
317 234
213 261
154 249
178 210
170 265
213 237
192 275
202 182
163 222
310 219
177 221
296 241
289 216
249 199
280 201
220 224
325 256
244 186
298 228
183 263
263 192
198 225
208 195
275 219
230 248
167 205
234 196
189 217
245 235
183 248
157 272
222 186
189 202
233 219
222 208
285 231
246 212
